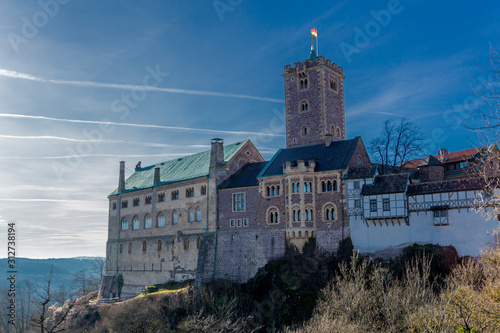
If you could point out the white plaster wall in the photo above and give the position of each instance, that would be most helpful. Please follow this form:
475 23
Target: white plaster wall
468 232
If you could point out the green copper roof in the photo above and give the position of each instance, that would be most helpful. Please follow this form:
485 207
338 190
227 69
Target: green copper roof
187 167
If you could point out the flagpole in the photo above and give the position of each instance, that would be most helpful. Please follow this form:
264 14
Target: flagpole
317 45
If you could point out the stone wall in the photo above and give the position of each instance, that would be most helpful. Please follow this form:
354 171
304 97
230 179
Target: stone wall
240 253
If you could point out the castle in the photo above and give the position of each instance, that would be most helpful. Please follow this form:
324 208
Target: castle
224 213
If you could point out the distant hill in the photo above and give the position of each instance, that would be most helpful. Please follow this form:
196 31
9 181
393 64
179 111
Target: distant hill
36 270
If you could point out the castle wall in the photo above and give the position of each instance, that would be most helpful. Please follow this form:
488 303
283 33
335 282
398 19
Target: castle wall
241 253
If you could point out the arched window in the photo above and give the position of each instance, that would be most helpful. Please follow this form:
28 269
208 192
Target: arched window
323 186
309 187
273 215
198 214
360 161
148 221
268 191
333 85
198 243
174 217
305 130
273 191
278 190
191 215
186 244
329 186
124 224
304 106
136 223
332 130
294 215
129 247
121 248
310 213
338 132
294 188
298 215
335 185
158 246
144 246
329 212
160 220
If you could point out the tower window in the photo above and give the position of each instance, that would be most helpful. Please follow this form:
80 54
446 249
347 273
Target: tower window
338 132
305 130
304 106
333 85
303 84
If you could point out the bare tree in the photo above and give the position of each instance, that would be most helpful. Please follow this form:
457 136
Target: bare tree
485 115
397 143
98 267
44 297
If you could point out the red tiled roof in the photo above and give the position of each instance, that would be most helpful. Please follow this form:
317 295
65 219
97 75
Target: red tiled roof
462 155
458 156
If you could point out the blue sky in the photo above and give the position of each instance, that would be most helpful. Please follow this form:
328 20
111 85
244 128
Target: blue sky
68 68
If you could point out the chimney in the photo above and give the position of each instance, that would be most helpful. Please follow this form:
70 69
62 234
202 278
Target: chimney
157 176
443 155
121 181
217 153
328 139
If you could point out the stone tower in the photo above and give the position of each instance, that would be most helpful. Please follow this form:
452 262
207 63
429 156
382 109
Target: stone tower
314 97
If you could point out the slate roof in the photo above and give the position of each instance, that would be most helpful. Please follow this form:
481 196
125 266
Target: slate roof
461 184
334 157
187 167
384 184
246 176
357 172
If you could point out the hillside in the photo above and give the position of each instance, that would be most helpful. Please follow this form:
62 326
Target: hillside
36 270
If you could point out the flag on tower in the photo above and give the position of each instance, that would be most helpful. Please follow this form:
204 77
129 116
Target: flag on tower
314 32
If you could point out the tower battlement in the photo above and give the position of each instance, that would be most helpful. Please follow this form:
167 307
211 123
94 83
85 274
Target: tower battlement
309 63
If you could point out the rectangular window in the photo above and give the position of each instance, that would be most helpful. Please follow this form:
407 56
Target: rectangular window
203 190
356 184
114 205
239 202
124 204
148 200
239 222
136 202
441 217
245 222
357 203
175 195
161 197
373 206
386 205
232 223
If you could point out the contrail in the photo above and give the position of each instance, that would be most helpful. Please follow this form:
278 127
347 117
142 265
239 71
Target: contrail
199 130
90 155
23 76
98 141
